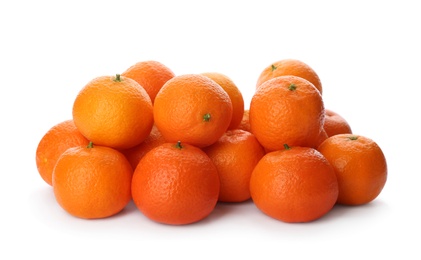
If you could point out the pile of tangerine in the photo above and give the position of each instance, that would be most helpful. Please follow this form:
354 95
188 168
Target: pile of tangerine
178 144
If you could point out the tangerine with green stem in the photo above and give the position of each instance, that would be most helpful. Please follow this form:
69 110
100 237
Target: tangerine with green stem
192 109
233 92
92 181
175 184
287 109
360 166
292 67
295 184
113 111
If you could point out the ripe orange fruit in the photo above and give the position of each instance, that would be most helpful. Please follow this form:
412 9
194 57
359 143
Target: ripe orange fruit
335 124
245 121
113 111
296 184
290 67
235 155
192 109
233 92
92 181
56 141
176 184
360 167
150 74
286 110
136 153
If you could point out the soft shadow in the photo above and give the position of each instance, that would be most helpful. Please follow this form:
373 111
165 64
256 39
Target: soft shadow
129 209
225 209
340 211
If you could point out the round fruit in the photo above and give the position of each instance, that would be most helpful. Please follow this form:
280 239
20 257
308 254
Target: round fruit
113 111
234 93
335 124
150 74
296 184
235 155
192 109
360 167
290 67
286 109
176 184
92 181
56 141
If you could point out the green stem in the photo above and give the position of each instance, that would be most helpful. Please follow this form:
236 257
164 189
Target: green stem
206 117
287 147
292 87
117 78
273 67
178 145
90 145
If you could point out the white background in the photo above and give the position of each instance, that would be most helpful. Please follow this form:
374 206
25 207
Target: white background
367 54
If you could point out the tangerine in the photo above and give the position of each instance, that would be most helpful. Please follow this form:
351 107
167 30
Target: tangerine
296 184
192 109
360 166
150 74
113 111
235 155
290 67
286 109
175 184
234 93
56 141
92 181
335 124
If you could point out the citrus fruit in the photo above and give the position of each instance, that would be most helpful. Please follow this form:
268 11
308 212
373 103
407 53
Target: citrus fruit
92 181
286 110
235 155
296 184
360 166
193 109
290 67
56 141
335 124
150 74
113 111
233 92
175 184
